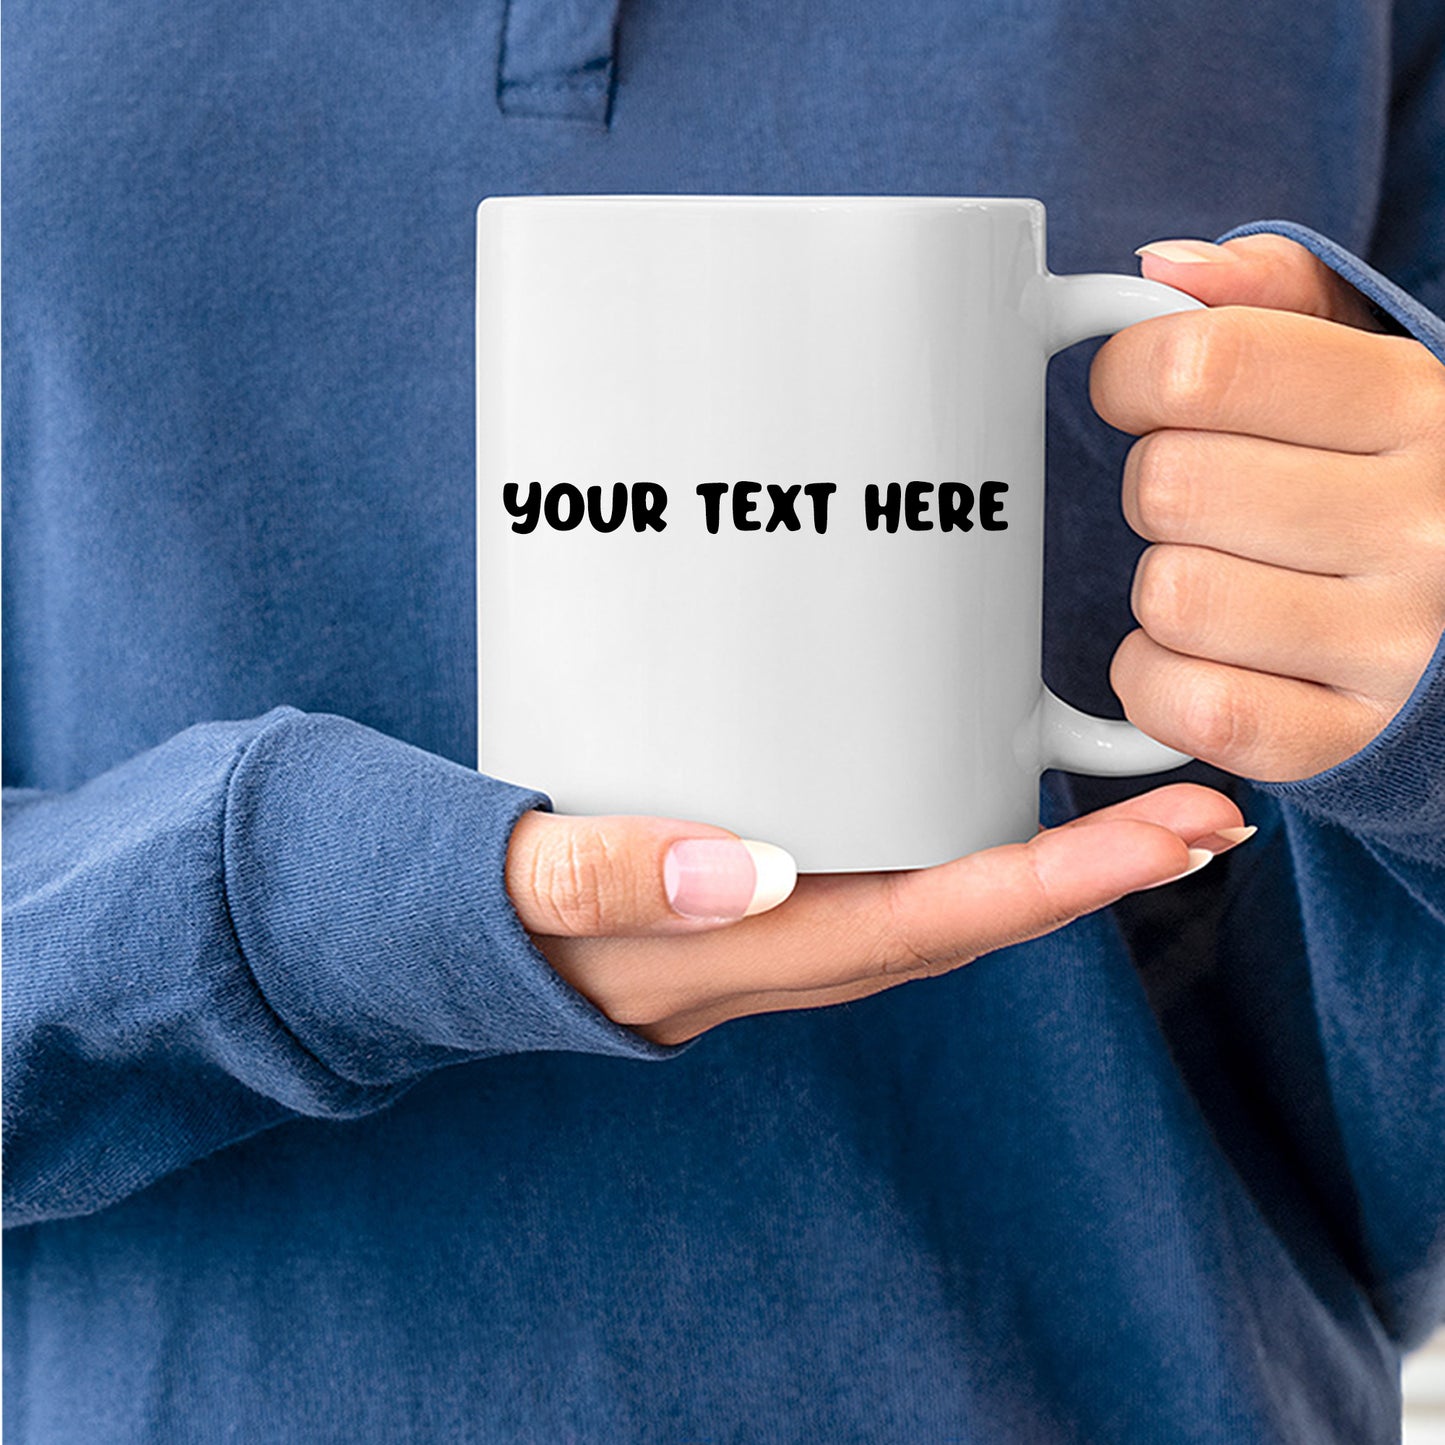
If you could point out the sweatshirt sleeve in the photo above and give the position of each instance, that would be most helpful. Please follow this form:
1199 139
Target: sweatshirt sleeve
293 915
1351 862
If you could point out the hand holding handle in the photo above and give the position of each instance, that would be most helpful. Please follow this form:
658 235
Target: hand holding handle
1060 736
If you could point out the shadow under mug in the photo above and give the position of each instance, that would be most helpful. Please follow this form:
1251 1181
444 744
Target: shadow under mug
760 515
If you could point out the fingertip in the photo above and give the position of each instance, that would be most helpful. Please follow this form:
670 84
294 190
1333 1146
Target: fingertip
1198 858
626 875
1189 810
1263 269
1182 253
1098 864
1222 840
724 879
1203 269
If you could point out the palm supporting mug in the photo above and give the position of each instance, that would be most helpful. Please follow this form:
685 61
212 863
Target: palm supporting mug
760 512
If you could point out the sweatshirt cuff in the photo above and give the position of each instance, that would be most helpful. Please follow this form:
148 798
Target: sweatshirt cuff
1393 790
365 882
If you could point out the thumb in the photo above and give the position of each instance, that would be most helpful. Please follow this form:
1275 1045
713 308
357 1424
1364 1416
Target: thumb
1264 270
621 875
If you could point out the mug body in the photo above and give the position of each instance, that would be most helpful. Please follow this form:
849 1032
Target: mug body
760 515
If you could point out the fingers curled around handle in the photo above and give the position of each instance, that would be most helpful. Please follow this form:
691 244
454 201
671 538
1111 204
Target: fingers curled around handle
620 875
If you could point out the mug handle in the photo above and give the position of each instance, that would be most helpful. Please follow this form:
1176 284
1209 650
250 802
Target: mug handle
1076 308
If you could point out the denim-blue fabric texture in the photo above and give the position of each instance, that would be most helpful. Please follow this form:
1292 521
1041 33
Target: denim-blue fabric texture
304 1140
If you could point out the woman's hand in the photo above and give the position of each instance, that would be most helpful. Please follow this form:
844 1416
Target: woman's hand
606 905
1291 474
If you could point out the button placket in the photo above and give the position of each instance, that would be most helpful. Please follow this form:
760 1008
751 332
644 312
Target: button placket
557 59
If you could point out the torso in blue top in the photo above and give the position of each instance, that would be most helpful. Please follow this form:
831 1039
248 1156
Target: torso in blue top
1161 1177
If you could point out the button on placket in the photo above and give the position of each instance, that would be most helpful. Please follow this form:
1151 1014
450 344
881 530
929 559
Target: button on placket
556 59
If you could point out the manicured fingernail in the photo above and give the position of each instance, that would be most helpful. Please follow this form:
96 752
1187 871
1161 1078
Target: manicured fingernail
1198 857
1222 839
724 879
1187 252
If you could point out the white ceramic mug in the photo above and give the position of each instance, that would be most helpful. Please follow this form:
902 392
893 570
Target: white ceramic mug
760 515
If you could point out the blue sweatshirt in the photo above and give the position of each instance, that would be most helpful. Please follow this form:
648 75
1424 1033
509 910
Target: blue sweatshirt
305 1142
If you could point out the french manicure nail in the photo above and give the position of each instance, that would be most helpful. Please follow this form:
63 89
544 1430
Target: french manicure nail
1198 857
724 879
1221 840
1187 252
